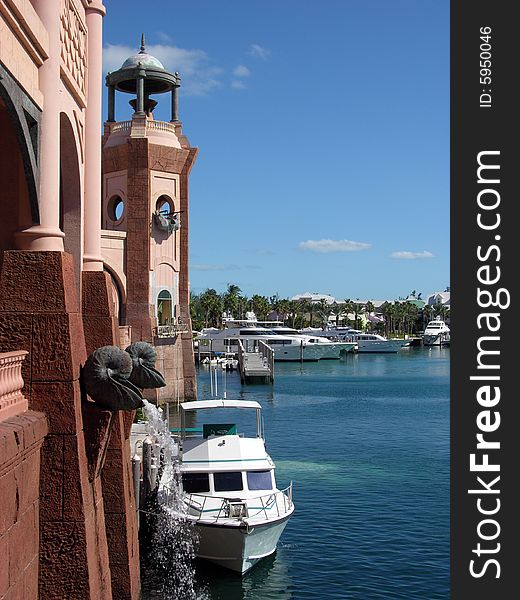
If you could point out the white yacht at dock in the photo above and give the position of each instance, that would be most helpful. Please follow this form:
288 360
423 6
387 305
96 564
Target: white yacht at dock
366 342
287 344
437 333
229 488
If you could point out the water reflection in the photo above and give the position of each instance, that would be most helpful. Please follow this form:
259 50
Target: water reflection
268 579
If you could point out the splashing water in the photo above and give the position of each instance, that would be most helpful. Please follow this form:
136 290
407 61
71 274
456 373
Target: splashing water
173 538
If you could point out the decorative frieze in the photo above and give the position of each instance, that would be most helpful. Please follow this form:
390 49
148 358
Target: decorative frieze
73 37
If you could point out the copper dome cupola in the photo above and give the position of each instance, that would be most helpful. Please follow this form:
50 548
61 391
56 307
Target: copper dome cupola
141 75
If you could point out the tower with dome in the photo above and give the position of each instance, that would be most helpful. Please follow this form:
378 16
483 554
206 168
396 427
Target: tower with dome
145 219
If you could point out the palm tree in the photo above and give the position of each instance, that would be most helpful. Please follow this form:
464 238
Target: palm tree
260 306
230 299
409 317
323 310
242 303
359 310
388 311
283 308
369 309
427 315
442 311
348 307
293 308
211 305
336 310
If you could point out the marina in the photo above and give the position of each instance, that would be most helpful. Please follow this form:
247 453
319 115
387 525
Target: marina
351 434
178 421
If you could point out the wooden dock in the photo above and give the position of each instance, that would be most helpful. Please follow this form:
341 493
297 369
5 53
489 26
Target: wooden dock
256 362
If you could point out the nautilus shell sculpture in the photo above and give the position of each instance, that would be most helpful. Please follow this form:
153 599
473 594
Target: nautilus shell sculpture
143 374
113 378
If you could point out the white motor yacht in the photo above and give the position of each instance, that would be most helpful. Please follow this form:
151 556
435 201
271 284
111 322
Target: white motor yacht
332 349
366 342
285 347
373 342
229 488
437 333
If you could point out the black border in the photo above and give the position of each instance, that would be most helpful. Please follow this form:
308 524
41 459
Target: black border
475 129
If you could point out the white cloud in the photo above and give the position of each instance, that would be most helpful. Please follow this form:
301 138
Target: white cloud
259 51
208 267
404 254
326 246
163 36
236 84
199 76
241 71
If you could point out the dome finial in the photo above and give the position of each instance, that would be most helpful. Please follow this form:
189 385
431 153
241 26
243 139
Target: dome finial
142 43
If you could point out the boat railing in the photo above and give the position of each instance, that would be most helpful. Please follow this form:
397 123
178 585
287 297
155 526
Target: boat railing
277 503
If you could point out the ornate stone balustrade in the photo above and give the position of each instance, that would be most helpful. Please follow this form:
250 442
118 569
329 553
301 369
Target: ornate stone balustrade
160 126
121 126
12 401
140 126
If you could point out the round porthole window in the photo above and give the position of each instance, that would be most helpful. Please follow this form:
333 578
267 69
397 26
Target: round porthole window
116 208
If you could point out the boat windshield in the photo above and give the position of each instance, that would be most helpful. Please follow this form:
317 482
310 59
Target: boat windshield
195 483
252 331
228 481
285 331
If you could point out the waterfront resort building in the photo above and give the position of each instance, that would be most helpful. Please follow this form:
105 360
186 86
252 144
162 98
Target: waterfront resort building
93 252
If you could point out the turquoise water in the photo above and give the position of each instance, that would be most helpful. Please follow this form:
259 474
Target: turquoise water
366 442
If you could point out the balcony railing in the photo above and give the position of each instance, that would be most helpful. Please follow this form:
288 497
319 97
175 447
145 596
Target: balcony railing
126 126
170 331
12 401
160 126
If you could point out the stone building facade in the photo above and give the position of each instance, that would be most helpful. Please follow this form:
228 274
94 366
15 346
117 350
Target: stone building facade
67 511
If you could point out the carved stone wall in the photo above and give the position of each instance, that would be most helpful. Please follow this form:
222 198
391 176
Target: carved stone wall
73 37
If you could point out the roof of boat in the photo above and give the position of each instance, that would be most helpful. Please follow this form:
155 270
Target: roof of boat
200 404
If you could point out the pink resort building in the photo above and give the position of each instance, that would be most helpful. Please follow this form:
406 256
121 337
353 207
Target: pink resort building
93 252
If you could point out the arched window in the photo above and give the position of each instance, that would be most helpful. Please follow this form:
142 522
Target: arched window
164 308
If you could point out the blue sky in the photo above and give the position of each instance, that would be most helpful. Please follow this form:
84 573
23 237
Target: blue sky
323 135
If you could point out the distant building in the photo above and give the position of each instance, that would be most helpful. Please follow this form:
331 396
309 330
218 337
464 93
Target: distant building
439 298
315 297
418 302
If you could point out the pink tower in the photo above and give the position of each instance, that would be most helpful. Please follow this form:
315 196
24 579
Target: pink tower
145 220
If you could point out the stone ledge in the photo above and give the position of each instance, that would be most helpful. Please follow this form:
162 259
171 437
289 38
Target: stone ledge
20 436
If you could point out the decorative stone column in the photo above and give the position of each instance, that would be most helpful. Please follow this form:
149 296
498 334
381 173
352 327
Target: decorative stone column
47 235
92 260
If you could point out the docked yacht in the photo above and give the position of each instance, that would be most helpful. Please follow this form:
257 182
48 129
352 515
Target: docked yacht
437 333
229 488
332 349
289 346
366 342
